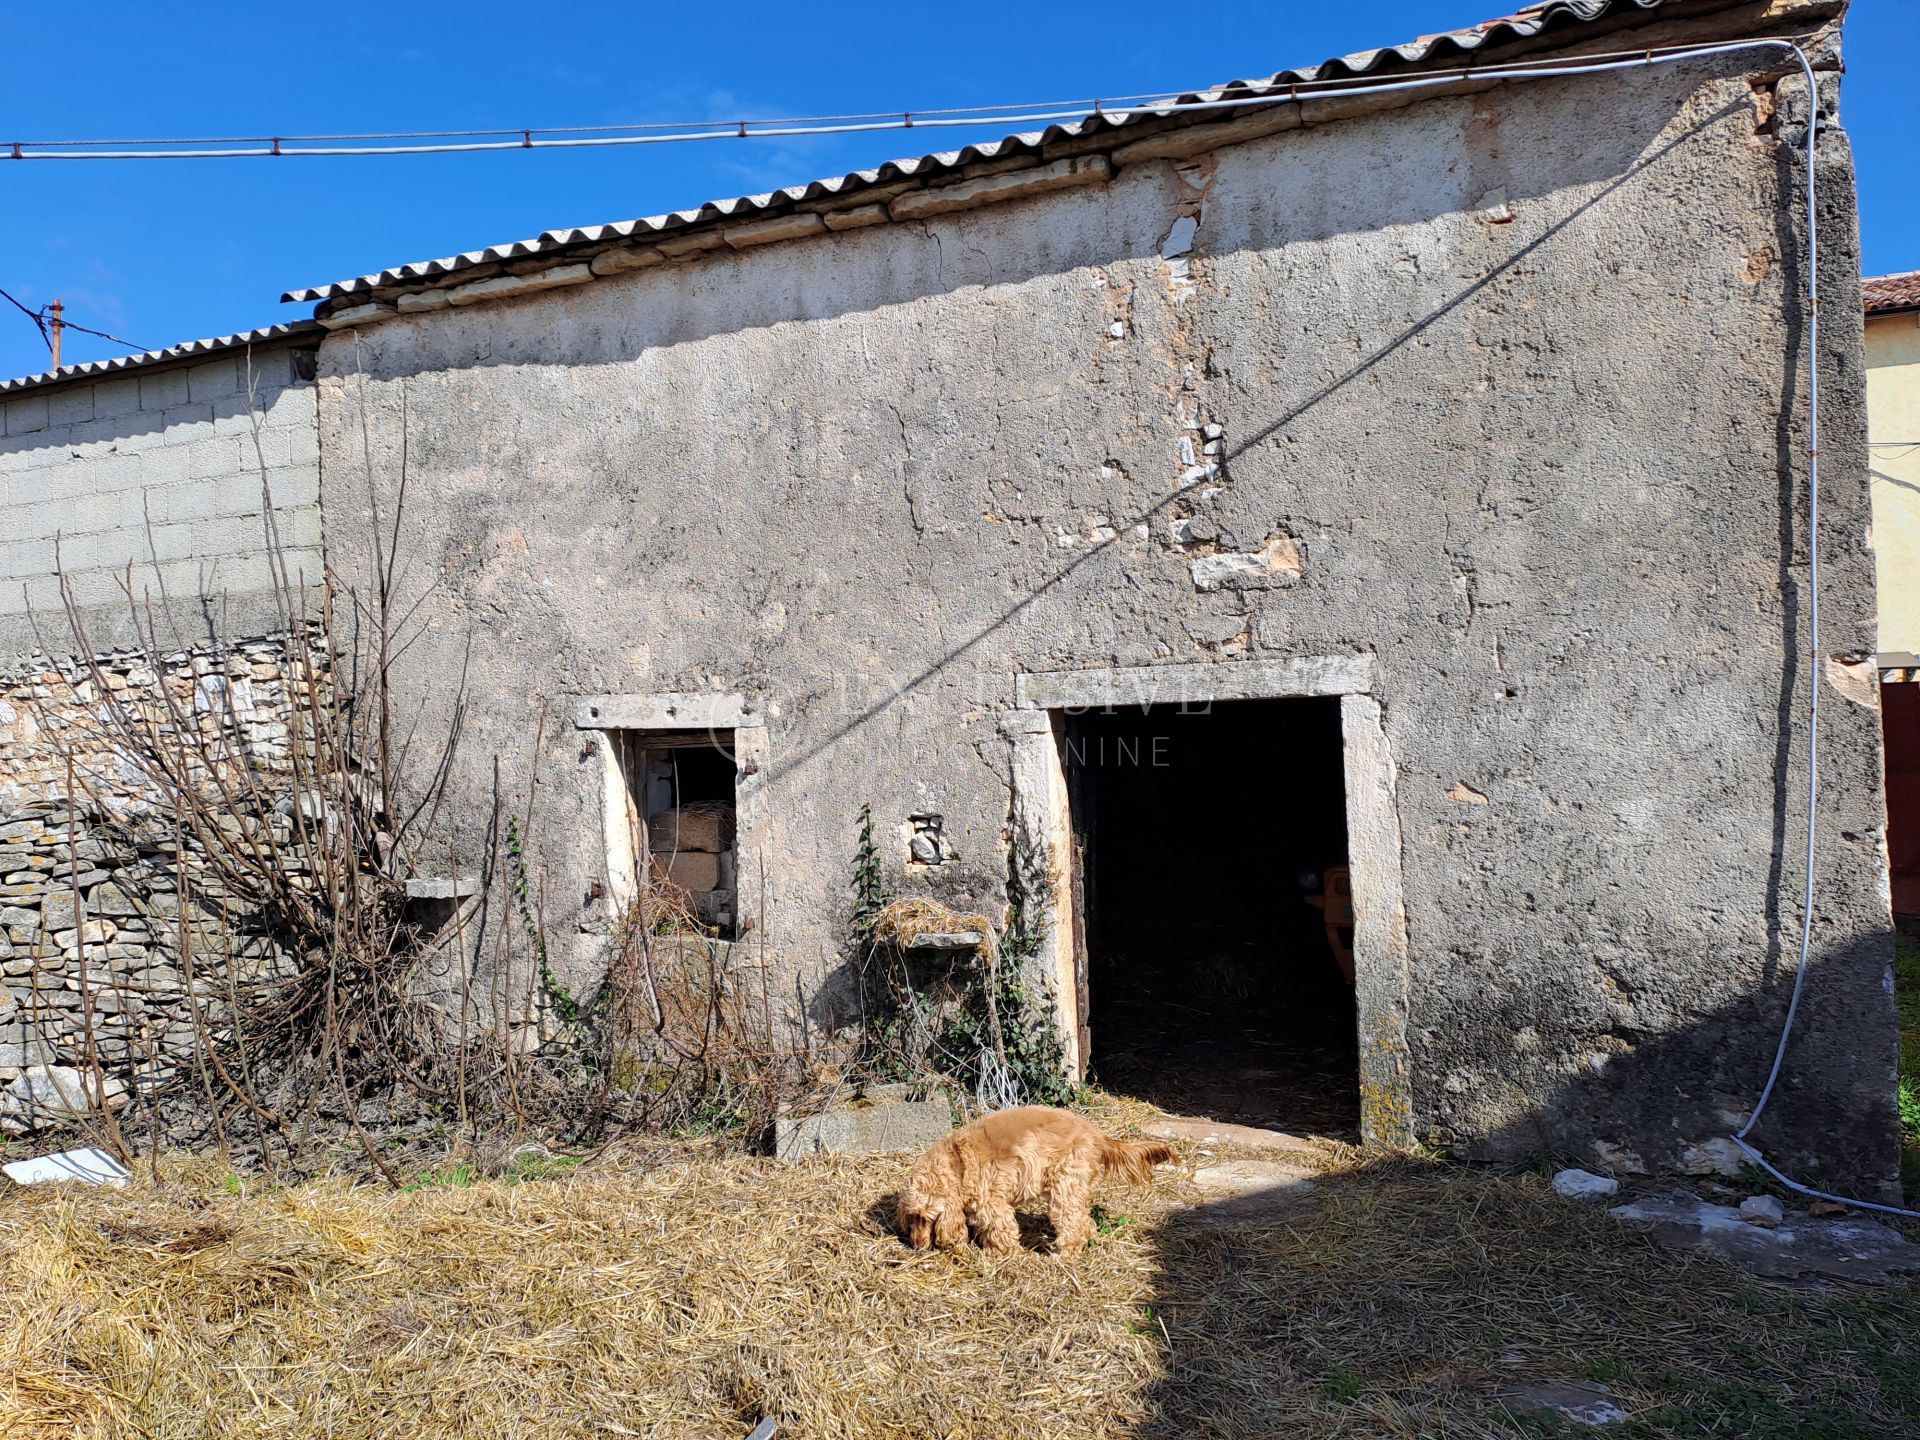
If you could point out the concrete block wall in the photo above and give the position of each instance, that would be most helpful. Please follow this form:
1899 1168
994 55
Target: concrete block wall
162 469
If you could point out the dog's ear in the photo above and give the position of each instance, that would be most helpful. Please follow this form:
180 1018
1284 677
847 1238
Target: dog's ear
914 1223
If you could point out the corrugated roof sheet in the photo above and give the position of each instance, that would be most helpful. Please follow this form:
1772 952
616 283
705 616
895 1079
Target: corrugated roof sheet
185 350
1528 23
1883 293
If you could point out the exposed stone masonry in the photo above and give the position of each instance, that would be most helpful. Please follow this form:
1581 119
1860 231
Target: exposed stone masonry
94 933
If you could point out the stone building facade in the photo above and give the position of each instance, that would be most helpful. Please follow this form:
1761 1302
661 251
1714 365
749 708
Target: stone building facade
1460 427
146 486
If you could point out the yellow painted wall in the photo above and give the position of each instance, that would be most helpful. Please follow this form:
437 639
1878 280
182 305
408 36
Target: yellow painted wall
1893 430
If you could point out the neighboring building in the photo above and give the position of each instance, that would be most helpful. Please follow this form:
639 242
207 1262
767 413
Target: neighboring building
1191 501
1893 440
155 461
145 481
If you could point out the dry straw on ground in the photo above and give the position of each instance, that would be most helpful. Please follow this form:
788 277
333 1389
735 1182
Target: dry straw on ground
689 1299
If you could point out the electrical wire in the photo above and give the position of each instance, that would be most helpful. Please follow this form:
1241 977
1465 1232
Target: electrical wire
84 330
39 322
1813 686
39 319
1115 109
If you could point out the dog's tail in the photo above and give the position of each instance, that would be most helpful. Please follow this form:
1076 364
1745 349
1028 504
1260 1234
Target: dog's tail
1133 1160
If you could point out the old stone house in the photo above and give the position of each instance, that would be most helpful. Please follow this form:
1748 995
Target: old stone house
1360 484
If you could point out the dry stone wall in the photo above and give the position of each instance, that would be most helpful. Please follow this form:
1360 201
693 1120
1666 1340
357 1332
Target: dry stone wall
117 946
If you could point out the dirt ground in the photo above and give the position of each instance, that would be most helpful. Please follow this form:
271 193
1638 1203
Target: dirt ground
668 1291
1267 1067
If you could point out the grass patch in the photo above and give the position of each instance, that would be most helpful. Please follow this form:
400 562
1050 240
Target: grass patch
1906 994
1109 1222
1342 1385
529 1166
453 1177
693 1297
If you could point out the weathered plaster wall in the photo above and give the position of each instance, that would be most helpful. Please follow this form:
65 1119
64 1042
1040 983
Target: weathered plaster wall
1893 426
1490 389
158 468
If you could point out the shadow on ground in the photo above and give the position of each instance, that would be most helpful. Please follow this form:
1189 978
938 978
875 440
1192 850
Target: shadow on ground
1416 1299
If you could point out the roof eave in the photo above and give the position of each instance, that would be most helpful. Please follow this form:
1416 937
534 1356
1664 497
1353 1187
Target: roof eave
187 352
1546 26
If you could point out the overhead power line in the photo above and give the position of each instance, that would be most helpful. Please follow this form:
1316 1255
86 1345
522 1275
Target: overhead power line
567 137
68 324
50 321
35 316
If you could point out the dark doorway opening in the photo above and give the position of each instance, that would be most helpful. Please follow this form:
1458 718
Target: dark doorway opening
1214 984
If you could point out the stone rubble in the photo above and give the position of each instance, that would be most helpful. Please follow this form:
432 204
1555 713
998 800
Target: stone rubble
1576 1402
1584 1185
1798 1246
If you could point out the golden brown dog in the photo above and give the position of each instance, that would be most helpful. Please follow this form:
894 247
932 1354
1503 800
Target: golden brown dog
973 1179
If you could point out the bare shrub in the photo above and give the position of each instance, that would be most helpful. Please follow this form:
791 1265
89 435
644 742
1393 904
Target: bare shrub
322 997
688 1032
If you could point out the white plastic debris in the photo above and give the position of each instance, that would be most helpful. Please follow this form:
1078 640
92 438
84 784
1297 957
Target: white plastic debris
1583 1185
89 1167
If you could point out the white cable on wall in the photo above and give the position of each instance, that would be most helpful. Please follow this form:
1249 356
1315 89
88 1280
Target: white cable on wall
1813 650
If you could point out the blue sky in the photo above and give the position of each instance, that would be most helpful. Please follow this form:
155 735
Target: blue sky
163 252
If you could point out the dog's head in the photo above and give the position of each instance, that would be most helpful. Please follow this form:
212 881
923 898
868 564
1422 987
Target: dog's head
927 1221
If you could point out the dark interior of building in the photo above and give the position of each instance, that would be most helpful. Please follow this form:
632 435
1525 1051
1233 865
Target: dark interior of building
684 787
697 769
1214 987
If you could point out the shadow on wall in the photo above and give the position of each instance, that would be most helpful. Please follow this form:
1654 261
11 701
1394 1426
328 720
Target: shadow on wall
1616 159
1631 165
1831 1121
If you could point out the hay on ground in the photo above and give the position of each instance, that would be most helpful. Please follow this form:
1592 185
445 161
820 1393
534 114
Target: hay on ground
690 1299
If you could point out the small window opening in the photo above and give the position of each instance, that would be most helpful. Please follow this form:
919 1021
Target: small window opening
683 811
1211 884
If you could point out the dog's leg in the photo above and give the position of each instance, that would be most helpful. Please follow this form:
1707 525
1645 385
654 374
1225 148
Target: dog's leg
995 1226
1069 1210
